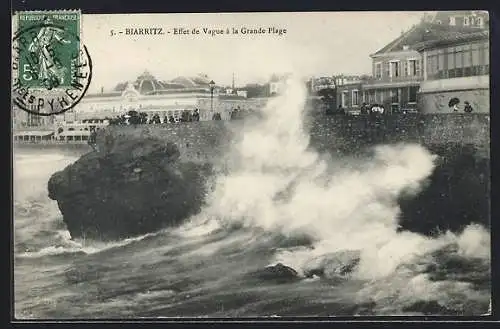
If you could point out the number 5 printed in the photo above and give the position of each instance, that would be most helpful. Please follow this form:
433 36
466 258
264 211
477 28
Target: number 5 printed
27 72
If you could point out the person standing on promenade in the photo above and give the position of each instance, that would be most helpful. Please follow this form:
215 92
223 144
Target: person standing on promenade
196 115
468 108
92 141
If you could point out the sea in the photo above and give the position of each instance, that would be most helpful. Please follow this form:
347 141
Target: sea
332 219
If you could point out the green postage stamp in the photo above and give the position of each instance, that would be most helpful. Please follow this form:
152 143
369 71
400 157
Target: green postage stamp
51 67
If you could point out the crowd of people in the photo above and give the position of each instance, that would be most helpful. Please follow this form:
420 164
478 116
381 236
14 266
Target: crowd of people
467 107
135 117
365 110
377 110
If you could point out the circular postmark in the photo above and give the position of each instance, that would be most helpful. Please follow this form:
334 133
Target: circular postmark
51 69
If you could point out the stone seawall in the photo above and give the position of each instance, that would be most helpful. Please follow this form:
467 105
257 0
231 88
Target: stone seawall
209 140
479 99
197 141
148 177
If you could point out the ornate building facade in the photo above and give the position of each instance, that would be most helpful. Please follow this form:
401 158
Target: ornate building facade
150 95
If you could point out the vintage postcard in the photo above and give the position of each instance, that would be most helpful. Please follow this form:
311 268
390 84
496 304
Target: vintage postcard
236 165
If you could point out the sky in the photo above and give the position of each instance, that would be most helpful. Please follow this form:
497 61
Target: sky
315 44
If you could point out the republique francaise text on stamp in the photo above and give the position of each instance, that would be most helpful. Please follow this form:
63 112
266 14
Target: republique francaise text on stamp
51 68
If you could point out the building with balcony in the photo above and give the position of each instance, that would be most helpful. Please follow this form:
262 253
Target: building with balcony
397 68
456 67
397 72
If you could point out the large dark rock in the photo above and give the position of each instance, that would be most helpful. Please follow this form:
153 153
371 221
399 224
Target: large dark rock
130 188
333 265
456 194
430 307
278 273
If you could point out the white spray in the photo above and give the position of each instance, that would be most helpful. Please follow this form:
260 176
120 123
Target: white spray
280 185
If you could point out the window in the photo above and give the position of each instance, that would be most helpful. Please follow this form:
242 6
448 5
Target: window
395 69
387 69
378 70
475 55
412 94
386 94
413 67
480 22
451 58
345 94
355 98
466 21
459 61
380 95
486 54
372 98
467 57
432 64
395 96
452 20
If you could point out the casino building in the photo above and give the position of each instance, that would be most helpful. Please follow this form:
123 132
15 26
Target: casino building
152 96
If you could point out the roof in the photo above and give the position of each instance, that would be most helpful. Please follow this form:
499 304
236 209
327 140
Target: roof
399 42
424 32
453 39
146 83
196 81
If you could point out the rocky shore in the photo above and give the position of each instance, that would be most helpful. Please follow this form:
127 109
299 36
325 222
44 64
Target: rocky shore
136 187
144 179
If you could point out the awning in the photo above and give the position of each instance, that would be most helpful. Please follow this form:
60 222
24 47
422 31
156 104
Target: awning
34 133
75 133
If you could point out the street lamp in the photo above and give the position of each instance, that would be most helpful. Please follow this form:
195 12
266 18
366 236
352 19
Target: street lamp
212 86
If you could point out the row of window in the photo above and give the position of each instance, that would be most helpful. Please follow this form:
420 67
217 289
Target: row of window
459 61
397 68
467 20
380 96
